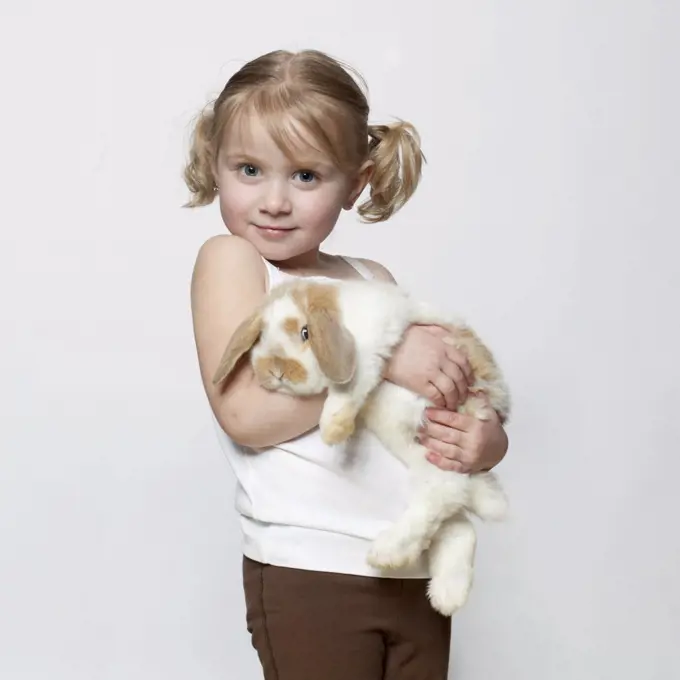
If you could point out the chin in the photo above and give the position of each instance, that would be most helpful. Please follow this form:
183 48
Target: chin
291 247
311 389
280 252
297 390
302 390
273 385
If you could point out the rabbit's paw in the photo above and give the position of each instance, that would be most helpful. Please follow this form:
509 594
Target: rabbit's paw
393 549
449 592
493 508
339 426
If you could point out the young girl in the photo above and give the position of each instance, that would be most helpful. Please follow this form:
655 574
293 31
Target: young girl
285 147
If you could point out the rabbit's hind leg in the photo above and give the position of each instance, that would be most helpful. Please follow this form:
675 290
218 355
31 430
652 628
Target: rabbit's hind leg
451 559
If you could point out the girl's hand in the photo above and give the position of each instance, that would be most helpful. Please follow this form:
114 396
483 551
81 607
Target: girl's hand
463 443
427 363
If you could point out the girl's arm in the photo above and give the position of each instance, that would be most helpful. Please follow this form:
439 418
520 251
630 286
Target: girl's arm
229 281
425 364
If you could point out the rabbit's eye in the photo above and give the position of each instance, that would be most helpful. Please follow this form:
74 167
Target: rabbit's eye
304 333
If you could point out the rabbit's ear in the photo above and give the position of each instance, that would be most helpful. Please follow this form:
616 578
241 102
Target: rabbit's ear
332 344
244 337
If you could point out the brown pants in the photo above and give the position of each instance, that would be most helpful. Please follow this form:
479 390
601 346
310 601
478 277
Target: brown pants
308 625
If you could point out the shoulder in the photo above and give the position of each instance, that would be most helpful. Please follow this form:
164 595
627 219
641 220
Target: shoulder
233 248
228 257
229 273
380 271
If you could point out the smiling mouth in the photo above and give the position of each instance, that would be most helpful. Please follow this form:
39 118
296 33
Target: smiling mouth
268 227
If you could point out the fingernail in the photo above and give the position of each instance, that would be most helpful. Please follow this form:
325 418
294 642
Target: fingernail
448 340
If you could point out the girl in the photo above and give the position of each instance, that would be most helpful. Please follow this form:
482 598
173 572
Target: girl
285 147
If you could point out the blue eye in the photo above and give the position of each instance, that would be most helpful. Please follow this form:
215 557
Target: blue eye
249 170
306 176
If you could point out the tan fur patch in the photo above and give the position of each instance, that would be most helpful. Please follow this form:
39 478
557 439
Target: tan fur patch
270 369
292 327
340 427
322 298
331 342
244 337
481 360
484 369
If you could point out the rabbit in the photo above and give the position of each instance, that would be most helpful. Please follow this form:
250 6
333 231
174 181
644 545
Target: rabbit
311 336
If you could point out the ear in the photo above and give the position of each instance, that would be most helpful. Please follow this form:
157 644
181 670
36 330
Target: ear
332 344
245 336
363 177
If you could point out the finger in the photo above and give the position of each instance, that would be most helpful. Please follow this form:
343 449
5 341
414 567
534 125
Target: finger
460 359
445 463
451 419
436 330
450 451
455 373
448 389
444 434
433 393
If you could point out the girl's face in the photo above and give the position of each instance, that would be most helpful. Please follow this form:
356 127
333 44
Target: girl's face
285 208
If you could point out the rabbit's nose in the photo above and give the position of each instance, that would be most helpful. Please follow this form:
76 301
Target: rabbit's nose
278 370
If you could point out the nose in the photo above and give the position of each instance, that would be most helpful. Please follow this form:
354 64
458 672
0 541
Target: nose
278 369
276 200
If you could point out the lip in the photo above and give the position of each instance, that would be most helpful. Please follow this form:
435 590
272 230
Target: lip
274 231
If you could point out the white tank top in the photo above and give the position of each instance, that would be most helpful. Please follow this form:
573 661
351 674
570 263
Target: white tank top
306 505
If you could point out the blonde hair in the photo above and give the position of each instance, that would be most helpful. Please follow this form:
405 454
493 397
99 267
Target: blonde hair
309 92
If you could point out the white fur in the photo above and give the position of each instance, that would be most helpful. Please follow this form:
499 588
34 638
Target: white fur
436 519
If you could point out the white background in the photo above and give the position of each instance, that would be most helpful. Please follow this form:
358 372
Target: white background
548 215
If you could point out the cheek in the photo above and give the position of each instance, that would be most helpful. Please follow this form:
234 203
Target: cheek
235 205
295 372
319 209
262 366
268 369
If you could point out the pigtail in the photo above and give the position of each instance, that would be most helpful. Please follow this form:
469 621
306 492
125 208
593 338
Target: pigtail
398 158
198 173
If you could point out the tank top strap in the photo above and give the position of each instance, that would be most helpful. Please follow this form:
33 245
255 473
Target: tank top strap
359 267
274 274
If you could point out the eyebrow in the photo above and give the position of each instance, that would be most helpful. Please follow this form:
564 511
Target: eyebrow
240 156
300 163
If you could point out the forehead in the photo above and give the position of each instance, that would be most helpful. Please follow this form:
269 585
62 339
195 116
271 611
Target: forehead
280 314
281 137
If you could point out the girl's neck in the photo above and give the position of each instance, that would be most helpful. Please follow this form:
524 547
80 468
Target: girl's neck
305 262
315 263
